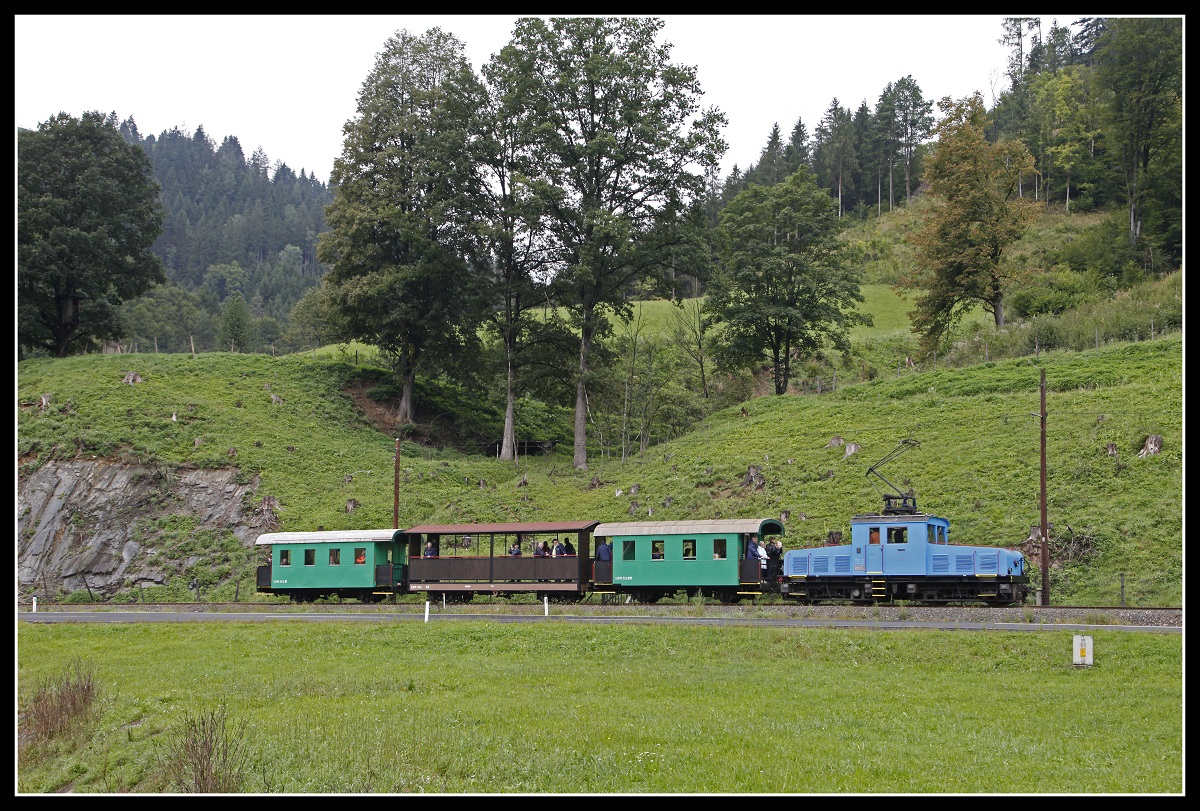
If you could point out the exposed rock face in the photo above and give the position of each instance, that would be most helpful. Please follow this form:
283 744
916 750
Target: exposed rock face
79 519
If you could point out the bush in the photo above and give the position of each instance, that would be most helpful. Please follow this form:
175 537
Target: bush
207 755
58 702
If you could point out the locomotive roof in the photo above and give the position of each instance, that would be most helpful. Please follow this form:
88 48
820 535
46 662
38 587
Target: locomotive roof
487 529
766 526
898 518
329 536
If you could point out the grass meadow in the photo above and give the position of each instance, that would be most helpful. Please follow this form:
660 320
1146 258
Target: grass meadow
557 707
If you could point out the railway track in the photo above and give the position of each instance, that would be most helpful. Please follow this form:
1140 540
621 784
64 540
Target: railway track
1088 615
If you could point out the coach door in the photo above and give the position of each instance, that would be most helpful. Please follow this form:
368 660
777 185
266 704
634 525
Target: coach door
873 550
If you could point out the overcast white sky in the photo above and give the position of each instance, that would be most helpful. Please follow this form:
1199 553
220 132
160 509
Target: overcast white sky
288 83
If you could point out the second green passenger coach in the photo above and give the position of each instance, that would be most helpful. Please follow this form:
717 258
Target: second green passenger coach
653 559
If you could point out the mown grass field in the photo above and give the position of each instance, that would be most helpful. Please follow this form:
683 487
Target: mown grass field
552 707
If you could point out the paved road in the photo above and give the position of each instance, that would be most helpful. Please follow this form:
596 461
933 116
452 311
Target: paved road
790 622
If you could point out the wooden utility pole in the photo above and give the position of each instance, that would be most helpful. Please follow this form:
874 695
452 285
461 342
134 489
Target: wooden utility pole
1045 525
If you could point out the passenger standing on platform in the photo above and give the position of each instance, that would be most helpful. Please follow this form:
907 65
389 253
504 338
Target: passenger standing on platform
539 551
762 557
752 548
604 550
515 549
429 552
559 549
569 547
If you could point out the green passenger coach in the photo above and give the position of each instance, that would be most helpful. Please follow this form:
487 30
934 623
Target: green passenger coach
653 559
366 564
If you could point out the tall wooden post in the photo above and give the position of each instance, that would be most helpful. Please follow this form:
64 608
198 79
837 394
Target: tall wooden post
396 490
1045 525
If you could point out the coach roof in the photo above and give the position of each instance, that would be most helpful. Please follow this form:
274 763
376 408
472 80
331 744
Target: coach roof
763 526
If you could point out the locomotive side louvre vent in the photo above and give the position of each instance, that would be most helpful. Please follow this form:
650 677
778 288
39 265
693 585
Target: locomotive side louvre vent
987 562
962 563
940 564
820 564
799 565
841 564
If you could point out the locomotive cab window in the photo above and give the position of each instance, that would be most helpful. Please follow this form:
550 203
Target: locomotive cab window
931 533
360 555
310 557
941 535
656 550
627 550
718 549
689 549
874 535
335 557
897 534
285 557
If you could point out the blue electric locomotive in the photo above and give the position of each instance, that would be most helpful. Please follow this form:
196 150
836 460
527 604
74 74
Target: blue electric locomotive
903 554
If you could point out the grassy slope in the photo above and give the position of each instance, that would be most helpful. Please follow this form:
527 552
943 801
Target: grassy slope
978 462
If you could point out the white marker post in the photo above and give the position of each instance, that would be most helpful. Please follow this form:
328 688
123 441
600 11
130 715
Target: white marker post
546 600
35 605
427 611
1081 651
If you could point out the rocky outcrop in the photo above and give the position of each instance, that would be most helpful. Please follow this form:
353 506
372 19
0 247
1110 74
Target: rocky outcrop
81 524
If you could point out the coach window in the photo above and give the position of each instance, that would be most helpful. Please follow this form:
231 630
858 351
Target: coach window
689 549
335 557
360 555
718 549
656 550
627 549
310 557
285 557
897 534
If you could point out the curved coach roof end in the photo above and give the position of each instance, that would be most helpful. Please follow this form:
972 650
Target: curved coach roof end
331 536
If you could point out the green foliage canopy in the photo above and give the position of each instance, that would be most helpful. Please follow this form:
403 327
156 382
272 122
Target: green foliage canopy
88 213
398 279
785 287
975 215
621 144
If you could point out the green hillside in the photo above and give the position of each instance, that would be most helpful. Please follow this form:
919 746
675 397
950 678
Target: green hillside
291 421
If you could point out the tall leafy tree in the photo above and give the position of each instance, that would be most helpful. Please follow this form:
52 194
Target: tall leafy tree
975 215
88 213
622 147
398 274
785 289
513 244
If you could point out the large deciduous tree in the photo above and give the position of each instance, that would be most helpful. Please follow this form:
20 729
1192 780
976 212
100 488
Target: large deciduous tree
975 214
784 289
397 249
88 213
622 145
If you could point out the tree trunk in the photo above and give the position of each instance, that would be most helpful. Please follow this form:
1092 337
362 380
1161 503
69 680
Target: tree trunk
579 460
508 445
